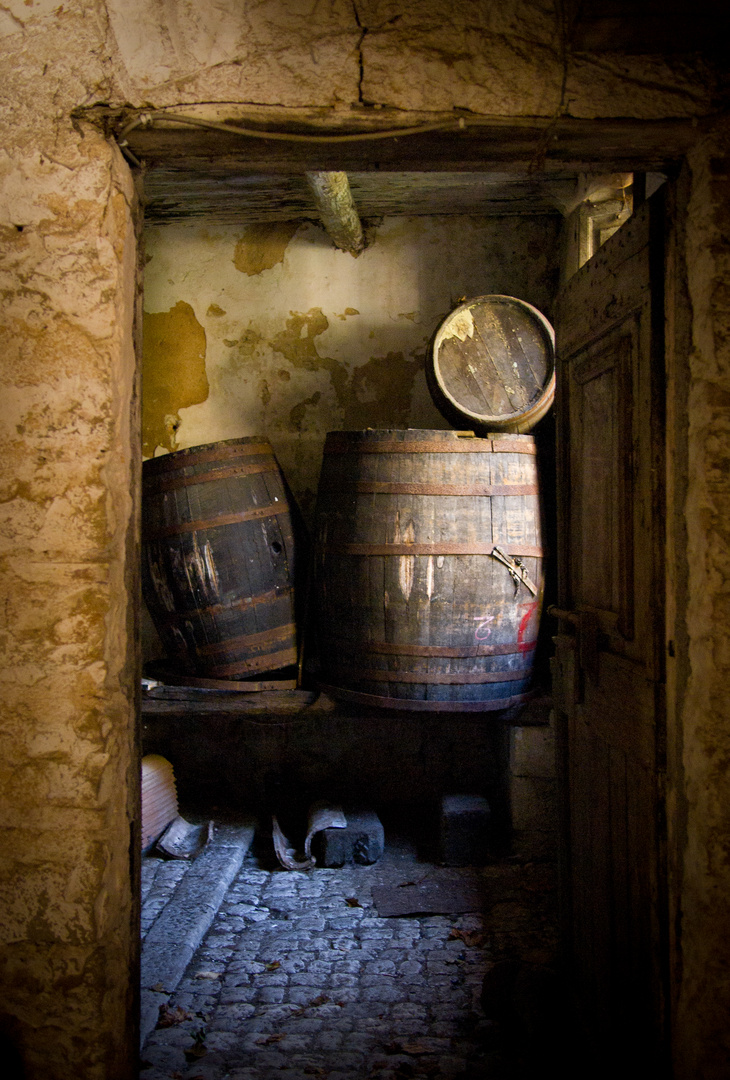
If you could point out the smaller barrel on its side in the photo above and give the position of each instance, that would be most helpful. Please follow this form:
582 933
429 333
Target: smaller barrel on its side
218 558
492 365
428 569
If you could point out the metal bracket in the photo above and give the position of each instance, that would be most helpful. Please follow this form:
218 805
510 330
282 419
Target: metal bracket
518 573
586 624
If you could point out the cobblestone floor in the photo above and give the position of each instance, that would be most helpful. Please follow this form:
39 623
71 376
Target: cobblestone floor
299 977
160 878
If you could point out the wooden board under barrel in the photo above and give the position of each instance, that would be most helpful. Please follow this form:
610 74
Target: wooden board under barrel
219 558
412 608
492 362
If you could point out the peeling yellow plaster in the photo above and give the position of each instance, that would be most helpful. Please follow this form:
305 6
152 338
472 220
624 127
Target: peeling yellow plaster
297 414
263 246
297 344
243 347
346 312
173 373
214 311
381 392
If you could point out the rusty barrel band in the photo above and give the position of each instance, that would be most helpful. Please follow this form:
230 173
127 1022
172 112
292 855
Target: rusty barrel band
213 523
183 459
455 678
463 446
242 604
420 705
388 648
369 487
154 485
526 551
265 662
249 641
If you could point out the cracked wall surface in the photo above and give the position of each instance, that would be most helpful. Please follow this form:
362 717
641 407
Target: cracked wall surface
70 436
499 59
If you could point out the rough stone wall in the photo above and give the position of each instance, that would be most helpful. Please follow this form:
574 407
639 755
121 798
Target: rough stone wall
68 774
500 59
701 825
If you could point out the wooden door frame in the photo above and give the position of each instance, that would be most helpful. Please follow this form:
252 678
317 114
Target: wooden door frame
512 145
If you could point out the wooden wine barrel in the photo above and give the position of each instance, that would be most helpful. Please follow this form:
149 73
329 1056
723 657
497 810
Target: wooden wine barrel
428 569
218 558
492 364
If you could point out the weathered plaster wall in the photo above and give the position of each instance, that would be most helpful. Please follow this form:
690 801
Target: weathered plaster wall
68 789
272 330
701 824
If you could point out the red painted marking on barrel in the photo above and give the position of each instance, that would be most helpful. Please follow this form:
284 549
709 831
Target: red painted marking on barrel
522 645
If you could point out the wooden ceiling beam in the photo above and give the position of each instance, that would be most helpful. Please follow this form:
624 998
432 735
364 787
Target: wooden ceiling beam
336 208
533 146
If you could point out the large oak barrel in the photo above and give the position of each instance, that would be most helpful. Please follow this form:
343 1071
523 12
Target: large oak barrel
428 569
492 364
218 558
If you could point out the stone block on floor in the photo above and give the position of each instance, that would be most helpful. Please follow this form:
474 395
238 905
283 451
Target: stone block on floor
362 842
464 830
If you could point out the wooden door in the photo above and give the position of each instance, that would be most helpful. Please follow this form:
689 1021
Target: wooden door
608 668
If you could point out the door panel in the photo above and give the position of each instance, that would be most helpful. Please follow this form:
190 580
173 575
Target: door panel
608 663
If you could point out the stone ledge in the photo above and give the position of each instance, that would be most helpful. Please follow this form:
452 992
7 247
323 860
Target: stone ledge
181 926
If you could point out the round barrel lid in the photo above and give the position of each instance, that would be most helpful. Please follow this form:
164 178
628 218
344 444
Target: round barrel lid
493 362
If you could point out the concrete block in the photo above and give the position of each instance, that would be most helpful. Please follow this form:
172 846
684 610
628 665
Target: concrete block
464 830
362 842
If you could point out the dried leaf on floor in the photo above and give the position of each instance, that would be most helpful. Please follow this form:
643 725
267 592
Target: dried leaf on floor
207 974
195 1052
412 1048
352 901
273 965
473 938
169 1017
268 1039
322 999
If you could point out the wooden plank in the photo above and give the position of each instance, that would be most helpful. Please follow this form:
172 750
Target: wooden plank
610 343
174 687
622 847
599 145
266 703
